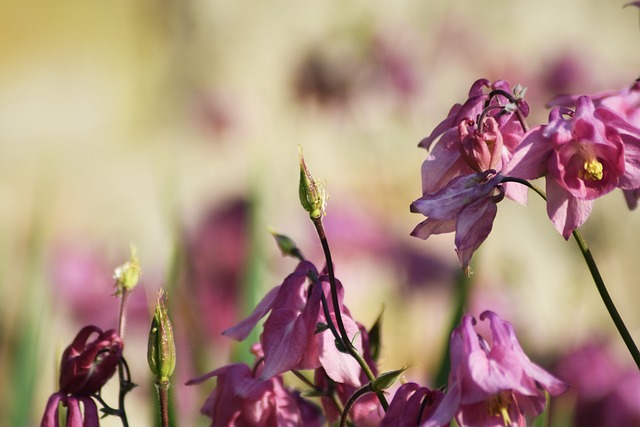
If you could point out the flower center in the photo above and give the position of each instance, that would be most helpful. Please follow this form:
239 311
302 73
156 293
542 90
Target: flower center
499 406
592 170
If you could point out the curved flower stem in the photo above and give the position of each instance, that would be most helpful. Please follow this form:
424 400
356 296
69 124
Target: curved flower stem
352 400
597 278
344 337
330 393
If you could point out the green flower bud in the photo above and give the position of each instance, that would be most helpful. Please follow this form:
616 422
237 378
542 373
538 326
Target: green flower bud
287 246
313 196
386 379
161 351
128 274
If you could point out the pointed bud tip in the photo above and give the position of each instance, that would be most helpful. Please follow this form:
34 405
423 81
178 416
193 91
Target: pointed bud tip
161 351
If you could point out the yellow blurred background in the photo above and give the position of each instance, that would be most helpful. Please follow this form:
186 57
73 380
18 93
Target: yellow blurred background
124 121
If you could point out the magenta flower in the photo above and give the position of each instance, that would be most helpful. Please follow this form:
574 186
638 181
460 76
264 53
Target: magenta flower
466 205
85 367
74 413
412 405
455 153
367 410
584 156
289 339
492 385
626 103
240 399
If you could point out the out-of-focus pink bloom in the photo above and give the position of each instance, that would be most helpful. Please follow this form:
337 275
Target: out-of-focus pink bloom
289 339
412 405
240 399
492 385
466 205
625 102
84 286
217 253
584 157
606 393
87 365
74 413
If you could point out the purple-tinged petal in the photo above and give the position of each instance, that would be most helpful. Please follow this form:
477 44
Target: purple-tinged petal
443 163
447 123
90 412
432 226
341 367
474 225
242 330
446 409
50 417
565 211
74 414
630 180
530 158
631 197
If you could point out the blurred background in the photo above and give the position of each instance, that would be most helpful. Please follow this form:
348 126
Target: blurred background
174 125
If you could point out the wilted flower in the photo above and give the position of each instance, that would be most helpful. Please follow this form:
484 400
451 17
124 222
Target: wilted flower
240 399
492 385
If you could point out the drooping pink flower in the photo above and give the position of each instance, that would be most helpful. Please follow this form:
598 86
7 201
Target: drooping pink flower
625 102
74 413
466 205
605 391
240 399
492 384
452 157
412 405
584 156
290 339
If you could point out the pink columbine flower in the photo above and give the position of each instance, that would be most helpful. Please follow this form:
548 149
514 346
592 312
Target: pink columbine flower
240 399
626 103
466 205
492 384
290 339
455 153
85 367
584 156
412 405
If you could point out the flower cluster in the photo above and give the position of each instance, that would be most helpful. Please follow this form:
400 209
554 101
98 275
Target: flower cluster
485 151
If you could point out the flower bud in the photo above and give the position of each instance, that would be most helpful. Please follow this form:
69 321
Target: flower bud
313 196
387 379
481 149
161 351
128 274
286 245
86 366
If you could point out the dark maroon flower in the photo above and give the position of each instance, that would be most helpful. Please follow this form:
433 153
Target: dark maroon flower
74 413
87 365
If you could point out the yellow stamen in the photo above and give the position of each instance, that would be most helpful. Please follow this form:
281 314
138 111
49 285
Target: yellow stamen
499 406
592 170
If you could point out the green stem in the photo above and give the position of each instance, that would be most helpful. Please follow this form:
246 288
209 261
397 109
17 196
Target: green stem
346 341
352 400
597 278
